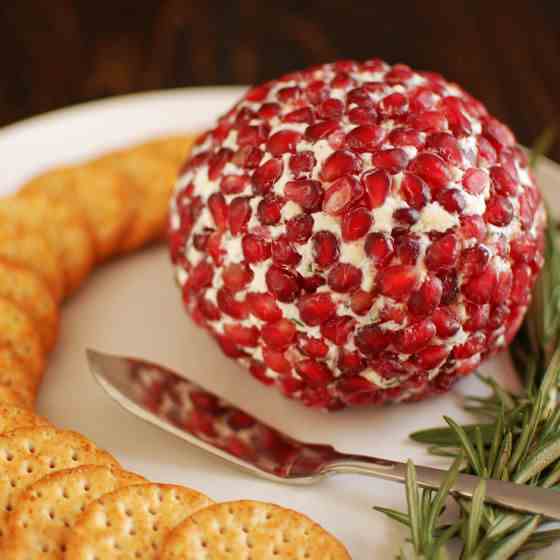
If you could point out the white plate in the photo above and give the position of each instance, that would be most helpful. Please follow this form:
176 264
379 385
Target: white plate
132 306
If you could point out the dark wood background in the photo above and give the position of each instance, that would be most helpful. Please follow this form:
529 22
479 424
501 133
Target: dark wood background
55 53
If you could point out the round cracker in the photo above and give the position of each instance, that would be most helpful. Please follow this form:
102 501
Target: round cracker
29 454
152 181
22 286
45 513
14 417
101 193
18 331
14 376
132 522
32 250
248 529
64 226
10 396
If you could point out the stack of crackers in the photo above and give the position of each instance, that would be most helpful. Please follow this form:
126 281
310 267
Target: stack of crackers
61 497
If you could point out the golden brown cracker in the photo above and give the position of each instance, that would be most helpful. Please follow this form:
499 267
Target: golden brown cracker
174 148
132 522
24 288
12 397
248 529
32 250
16 377
29 454
64 226
18 331
13 417
101 193
45 513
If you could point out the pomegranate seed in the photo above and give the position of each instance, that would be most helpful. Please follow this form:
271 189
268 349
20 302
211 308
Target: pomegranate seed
432 357
392 160
407 216
352 363
312 347
303 115
376 185
523 248
268 111
454 110
364 138
233 184
283 252
239 214
214 248
290 386
443 253
414 191
355 224
398 74
446 322
302 162
486 153
242 336
423 99
393 105
397 281
308 194
503 182
425 300
502 290
475 180
341 81
401 136
218 208
264 307
408 248
339 163
201 276
362 116
315 132
499 211
247 157
360 96
477 317
255 248
479 288
279 335
338 329
252 135
416 337
474 260
266 175
340 195
257 93
289 94
229 305
473 226
325 248
452 200
315 92
208 309
229 348
389 367
392 312
269 210
236 276
361 302
276 360
428 121
450 286
498 316
299 228
521 289
499 134
282 142
331 108
445 145
217 163
315 309
371 340
314 373
282 283
312 283
474 344
432 169
379 248
344 277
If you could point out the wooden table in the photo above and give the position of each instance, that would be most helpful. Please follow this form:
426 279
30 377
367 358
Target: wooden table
59 52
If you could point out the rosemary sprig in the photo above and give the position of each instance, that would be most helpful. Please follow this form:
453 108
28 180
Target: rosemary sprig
517 438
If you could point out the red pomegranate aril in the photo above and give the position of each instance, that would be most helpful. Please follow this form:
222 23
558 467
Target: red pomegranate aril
279 335
473 226
312 283
308 194
255 248
377 185
379 248
284 253
291 386
302 162
233 184
352 363
239 214
247 157
218 208
325 248
214 247
371 340
502 290
432 169
315 132
477 317
397 281
475 180
315 309
402 136
415 337
474 344
268 111
339 163
331 108
443 252
499 211
499 134
361 302
408 248
249 135
393 105
303 115
269 210
355 224
313 347
446 322
454 109
201 276
474 260
360 96
276 360
364 138
208 309
200 241
450 286
282 283
229 305
242 336
264 307
258 93
425 300
479 288
344 277
523 248
445 145
362 116
431 357
452 200
341 81
340 195
486 153
428 121
414 191
314 373
289 94
266 175
299 228
338 329
408 216
503 182
217 163
521 289
283 142
391 160
236 276
423 99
